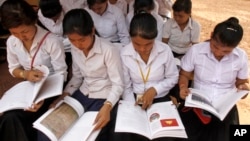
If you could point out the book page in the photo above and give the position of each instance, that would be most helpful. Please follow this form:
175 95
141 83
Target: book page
198 99
82 129
52 86
131 118
38 85
55 122
164 120
227 101
18 97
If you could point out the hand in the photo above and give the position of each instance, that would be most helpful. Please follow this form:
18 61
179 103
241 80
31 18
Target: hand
244 86
103 117
184 91
61 97
35 106
34 75
147 98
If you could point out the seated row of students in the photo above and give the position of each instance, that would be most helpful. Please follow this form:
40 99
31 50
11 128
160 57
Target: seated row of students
179 33
101 76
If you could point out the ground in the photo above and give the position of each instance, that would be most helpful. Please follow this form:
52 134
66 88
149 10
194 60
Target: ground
210 12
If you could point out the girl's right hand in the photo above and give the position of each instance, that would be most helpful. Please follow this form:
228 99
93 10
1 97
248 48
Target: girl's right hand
184 93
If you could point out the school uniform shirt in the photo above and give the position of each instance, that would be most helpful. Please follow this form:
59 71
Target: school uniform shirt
122 4
159 20
163 73
56 27
111 25
213 76
99 75
72 4
180 41
165 7
50 54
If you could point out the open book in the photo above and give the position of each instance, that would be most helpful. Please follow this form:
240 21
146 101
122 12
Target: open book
24 94
68 122
220 107
160 120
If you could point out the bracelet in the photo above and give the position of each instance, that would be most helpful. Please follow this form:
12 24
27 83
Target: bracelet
108 103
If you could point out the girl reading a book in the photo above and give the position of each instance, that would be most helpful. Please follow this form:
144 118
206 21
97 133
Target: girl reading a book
219 66
28 46
97 81
149 68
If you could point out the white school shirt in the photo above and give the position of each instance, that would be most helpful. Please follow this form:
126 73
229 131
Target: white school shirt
50 54
159 20
111 24
213 76
165 7
163 74
180 41
99 75
72 4
122 4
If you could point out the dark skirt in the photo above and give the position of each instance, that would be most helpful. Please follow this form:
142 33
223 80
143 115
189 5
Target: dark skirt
16 125
216 130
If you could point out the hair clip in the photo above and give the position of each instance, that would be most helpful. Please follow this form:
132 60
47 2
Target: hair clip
230 28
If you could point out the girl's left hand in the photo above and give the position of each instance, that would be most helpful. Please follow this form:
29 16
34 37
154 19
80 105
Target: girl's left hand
244 86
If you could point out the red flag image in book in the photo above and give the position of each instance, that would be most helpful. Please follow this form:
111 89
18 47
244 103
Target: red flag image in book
169 122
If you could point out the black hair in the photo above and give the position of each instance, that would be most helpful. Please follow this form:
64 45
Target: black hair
182 5
50 8
78 21
140 5
92 2
228 32
17 12
143 25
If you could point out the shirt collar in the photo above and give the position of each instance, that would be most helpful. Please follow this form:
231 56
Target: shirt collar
130 51
206 50
189 24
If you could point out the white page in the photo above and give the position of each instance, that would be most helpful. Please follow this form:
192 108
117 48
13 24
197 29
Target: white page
131 118
82 128
163 117
52 86
18 97
38 85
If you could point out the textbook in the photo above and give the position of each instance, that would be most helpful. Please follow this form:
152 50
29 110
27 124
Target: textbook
160 120
218 108
24 94
68 122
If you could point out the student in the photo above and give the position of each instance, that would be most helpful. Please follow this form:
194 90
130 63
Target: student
51 13
219 65
146 6
148 65
26 49
97 81
165 8
181 32
121 4
109 21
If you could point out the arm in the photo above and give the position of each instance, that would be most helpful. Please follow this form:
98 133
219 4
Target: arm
114 70
122 29
183 83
